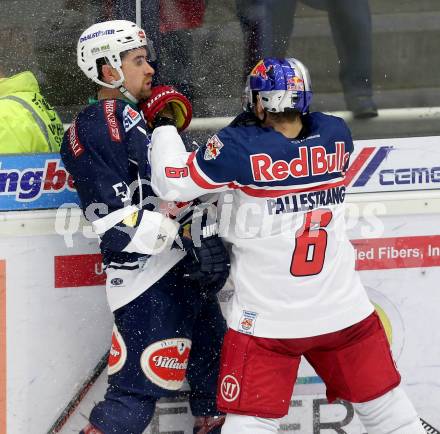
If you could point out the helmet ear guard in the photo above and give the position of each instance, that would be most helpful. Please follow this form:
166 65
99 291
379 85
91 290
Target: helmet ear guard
258 83
283 85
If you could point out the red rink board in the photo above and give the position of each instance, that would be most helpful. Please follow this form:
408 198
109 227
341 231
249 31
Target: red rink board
371 254
400 252
78 270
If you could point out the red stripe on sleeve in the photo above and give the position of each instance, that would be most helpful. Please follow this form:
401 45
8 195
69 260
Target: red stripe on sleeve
272 192
197 178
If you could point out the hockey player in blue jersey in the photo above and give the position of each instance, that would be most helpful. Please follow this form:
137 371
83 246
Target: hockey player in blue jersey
297 294
168 325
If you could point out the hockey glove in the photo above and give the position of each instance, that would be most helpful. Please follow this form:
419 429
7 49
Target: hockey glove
161 98
209 260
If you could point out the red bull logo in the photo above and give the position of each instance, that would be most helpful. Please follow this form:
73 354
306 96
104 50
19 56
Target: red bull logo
213 147
247 323
314 161
295 83
260 70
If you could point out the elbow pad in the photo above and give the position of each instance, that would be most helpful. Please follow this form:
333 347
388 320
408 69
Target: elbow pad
154 232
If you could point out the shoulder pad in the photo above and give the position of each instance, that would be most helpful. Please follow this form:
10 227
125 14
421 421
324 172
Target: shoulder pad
245 119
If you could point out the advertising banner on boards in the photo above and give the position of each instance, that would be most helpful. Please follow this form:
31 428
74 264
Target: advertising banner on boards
39 181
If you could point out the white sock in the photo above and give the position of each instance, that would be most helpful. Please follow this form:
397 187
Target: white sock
392 413
241 424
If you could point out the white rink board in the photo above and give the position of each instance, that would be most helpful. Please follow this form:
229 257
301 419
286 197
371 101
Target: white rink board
403 164
51 349
58 325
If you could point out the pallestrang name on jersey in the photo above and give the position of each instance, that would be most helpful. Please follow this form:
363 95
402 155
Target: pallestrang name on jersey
306 201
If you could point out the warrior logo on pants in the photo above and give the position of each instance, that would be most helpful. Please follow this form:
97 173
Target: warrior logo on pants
230 389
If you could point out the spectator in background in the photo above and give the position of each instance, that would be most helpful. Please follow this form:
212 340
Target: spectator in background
169 25
28 123
268 24
177 19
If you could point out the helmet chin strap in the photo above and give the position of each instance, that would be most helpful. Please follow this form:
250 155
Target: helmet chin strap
120 86
127 94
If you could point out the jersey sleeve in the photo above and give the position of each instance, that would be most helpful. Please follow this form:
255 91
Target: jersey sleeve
181 175
95 162
95 154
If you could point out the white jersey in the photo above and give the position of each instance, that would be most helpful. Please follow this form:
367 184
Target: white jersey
282 210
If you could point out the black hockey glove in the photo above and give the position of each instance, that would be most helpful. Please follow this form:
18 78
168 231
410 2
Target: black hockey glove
209 260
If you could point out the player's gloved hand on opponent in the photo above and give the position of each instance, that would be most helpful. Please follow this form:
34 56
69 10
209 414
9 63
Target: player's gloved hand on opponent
166 106
210 260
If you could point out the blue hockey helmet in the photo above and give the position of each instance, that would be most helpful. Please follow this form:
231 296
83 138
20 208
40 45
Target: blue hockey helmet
282 84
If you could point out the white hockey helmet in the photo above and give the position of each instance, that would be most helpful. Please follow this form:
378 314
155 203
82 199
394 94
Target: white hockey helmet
108 40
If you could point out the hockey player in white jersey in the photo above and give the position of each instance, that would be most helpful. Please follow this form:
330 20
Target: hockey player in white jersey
282 171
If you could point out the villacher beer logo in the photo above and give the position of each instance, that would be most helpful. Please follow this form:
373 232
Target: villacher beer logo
118 353
164 363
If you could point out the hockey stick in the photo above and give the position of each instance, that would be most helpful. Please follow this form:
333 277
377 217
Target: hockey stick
428 428
74 402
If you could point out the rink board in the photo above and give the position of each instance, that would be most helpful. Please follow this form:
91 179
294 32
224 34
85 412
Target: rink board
55 298
40 181
55 325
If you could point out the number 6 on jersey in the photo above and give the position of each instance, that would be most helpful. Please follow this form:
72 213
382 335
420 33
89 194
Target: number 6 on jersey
311 243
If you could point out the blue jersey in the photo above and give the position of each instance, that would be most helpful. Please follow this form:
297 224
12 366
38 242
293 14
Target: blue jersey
282 209
106 152
264 163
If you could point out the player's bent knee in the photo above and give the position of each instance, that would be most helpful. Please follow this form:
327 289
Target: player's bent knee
391 413
124 414
237 423
361 371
